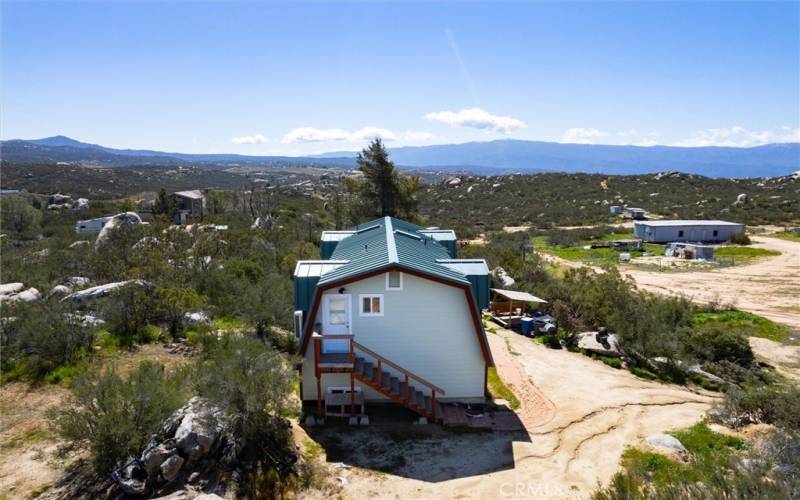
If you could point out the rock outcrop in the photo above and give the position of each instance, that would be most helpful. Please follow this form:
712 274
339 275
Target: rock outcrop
606 345
119 220
96 292
190 441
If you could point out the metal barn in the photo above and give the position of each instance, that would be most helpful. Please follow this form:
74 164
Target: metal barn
664 231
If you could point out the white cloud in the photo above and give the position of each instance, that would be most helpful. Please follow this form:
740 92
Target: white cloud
477 118
311 134
250 139
582 136
369 133
739 137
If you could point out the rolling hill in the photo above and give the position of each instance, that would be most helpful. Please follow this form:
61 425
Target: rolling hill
495 157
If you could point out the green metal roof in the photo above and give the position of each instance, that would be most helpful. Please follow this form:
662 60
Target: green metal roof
390 242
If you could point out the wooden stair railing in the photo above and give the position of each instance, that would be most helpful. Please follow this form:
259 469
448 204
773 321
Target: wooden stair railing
373 375
404 393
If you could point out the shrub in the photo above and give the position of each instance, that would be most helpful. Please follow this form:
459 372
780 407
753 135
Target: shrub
721 467
551 341
777 405
19 216
173 303
127 312
740 239
715 343
612 362
250 380
643 373
43 337
114 417
740 375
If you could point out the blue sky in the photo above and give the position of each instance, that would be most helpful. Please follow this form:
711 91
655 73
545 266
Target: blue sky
272 78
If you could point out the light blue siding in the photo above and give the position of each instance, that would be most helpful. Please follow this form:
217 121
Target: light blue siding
426 328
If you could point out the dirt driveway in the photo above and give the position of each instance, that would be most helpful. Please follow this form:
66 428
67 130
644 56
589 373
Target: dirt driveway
598 410
769 287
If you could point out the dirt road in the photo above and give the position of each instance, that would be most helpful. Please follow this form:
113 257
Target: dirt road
769 287
598 411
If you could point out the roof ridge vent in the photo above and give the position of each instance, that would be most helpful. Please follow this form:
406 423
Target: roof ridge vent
407 234
368 228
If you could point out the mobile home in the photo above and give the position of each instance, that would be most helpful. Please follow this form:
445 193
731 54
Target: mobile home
663 231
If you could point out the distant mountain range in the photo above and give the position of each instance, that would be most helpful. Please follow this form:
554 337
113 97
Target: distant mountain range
501 156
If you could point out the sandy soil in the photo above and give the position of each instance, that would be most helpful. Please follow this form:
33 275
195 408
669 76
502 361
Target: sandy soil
28 461
598 411
769 287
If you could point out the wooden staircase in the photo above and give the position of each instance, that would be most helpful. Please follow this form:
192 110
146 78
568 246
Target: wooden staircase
387 378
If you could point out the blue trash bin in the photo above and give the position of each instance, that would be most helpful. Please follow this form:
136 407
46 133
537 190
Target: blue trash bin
527 326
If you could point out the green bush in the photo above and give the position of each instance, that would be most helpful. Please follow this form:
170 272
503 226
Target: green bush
42 337
612 362
778 405
714 343
551 341
114 417
720 467
19 217
740 239
738 374
643 373
250 380
127 312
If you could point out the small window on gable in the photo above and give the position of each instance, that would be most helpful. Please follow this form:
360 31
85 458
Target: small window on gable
370 305
680 234
394 280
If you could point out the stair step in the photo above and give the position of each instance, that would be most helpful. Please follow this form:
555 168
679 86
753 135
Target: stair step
358 365
427 400
419 398
368 371
386 380
394 385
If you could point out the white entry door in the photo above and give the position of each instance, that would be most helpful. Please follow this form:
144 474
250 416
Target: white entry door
335 321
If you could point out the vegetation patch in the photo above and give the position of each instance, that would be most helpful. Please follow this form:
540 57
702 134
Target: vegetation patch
740 253
786 235
715 466
747 323
499 390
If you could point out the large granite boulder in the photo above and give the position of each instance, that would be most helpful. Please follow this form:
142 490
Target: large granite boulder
606 345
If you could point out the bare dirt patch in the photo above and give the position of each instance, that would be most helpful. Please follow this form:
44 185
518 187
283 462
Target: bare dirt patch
769 287
28 461
597 412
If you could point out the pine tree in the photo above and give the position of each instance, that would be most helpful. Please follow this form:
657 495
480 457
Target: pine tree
165 204
384 192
